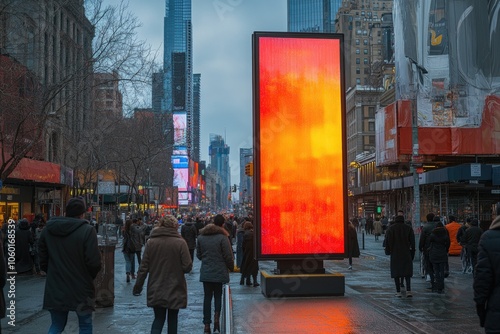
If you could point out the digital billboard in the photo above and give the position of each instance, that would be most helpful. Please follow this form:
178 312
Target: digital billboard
300 151
180 126
181 179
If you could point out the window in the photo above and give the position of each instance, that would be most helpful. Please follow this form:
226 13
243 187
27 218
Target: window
365 42
357 51
365 51
358 61
358 81
358 70
357 42
365 61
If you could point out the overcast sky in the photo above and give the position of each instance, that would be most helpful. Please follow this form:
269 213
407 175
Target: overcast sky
222 31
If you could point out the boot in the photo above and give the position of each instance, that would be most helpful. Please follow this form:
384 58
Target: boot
217 322
207 329
242 280
255 284
249 282
128 277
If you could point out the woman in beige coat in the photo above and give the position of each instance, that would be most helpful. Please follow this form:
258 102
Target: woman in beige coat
166 259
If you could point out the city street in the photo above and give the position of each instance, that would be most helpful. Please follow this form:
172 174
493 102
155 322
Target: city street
369 304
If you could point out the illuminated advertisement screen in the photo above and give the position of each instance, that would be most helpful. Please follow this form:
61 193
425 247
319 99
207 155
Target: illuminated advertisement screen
180 150
180 121
299 160
181 178
180 161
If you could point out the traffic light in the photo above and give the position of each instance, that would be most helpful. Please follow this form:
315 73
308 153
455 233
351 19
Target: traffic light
233 188
249 169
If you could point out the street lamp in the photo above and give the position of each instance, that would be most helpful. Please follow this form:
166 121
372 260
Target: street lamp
415 158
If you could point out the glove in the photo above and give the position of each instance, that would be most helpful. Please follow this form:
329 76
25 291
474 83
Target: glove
137 290
481 312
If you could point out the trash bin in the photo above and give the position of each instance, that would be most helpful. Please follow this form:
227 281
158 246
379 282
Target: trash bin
105 280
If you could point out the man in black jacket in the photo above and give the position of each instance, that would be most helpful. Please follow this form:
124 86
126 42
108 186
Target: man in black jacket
487 277
70 256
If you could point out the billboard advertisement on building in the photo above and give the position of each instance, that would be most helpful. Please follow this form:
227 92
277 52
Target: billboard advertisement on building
180 126
181 179
299 146
448 62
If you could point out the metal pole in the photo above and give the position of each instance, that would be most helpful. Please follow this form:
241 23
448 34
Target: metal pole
416 181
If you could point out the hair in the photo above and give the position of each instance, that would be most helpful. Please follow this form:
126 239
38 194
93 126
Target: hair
168 221
247 226
452 218
401 211
219 220
439 224
430 216
436 219
128 223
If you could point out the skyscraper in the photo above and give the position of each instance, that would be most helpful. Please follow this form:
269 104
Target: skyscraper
178 88
195 150
312 15
219 164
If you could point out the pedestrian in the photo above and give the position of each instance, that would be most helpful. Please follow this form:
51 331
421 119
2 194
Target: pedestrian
190 233
424 245
38 232
240 234
128 250
119 226
400 245
471 240
249 266
439 244
70 256
137 238
453 227
487 277
216 255
352 244
25 248
166 259
377 228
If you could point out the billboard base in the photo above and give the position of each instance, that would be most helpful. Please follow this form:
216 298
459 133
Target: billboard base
301 285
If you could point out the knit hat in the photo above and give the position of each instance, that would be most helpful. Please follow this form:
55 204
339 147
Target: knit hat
474 222
75 207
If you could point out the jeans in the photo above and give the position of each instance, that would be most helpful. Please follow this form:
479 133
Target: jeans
211 289
60 318
138 253
129 262
160 315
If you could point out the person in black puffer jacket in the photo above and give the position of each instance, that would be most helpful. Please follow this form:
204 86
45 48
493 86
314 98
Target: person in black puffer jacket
487 277
471 239
439 244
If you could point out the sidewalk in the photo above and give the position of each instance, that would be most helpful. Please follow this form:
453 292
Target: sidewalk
369 305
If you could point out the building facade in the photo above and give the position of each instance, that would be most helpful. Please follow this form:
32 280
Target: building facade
195 151
246 182
177 98
312 15
219 165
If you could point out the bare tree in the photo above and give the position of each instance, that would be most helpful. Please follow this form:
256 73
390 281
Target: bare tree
51 66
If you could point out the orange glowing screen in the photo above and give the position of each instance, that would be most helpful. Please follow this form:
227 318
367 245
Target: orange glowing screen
300 177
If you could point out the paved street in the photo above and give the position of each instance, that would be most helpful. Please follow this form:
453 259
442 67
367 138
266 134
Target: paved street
369 305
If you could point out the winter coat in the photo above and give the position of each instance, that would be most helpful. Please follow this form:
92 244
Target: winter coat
487 276
24 246
70 256
377 228
423 243
240 234
471 238
216 254
455 247
166 258
189 233
249 266
352 245
136 234
400 245
439 244
461 233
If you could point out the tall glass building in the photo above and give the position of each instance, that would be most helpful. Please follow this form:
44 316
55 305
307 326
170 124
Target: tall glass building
312 15
178 89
